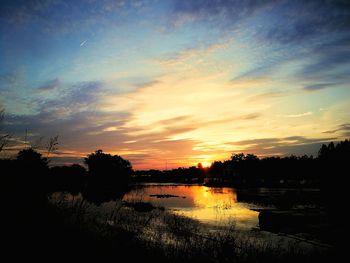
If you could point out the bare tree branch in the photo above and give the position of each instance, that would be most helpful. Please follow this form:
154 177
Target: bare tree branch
52 145
4 137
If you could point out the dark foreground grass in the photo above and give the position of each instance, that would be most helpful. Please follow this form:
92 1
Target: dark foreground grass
141 232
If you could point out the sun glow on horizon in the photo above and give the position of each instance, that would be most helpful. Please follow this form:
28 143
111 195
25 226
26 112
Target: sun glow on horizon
206 164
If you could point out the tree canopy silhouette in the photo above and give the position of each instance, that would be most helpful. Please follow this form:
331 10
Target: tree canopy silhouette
109 176
68 178
30 158
338 152
108 166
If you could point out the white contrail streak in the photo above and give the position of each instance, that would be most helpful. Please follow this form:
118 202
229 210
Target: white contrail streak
83 43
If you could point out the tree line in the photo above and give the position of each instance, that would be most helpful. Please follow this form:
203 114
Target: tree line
251 171
106 173
29 177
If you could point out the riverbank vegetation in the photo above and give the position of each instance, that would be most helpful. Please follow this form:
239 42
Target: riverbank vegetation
248 170
77 229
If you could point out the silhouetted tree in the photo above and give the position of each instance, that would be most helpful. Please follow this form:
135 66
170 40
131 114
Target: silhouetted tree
109 176
338 152
108 166
333 168
33 168
216 169
32 159
26 179
52 145
68 178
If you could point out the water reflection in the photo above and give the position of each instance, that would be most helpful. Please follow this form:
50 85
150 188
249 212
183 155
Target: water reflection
209 205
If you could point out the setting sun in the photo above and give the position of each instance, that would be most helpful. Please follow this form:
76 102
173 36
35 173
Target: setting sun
206 164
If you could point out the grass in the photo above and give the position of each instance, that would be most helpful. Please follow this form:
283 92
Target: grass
140 231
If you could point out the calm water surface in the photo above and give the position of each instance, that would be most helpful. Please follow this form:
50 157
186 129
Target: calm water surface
216 206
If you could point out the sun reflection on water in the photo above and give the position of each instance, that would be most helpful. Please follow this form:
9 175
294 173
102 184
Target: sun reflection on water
216 206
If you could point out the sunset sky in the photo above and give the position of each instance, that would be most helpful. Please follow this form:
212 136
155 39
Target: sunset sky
168 83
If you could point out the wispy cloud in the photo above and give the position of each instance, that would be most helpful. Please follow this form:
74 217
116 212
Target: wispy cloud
267 95
319 86
298 115
49 86
65 16
197 53
222 13
344 129
282 146
147 84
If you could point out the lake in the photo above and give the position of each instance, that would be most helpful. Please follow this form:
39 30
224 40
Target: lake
210 205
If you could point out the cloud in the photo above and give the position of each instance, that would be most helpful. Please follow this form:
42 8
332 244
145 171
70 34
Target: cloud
74 131
344 129
193 53
288 21
304 20
254 73
297 115
82 96
8 79
327 62
267 95
297 145
243 117
148 84
12 80
327 65
220 12
19 12
63 16
73 114
186 123
86 130
324 65
176 119
297 26
49 86
14 95
319 86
